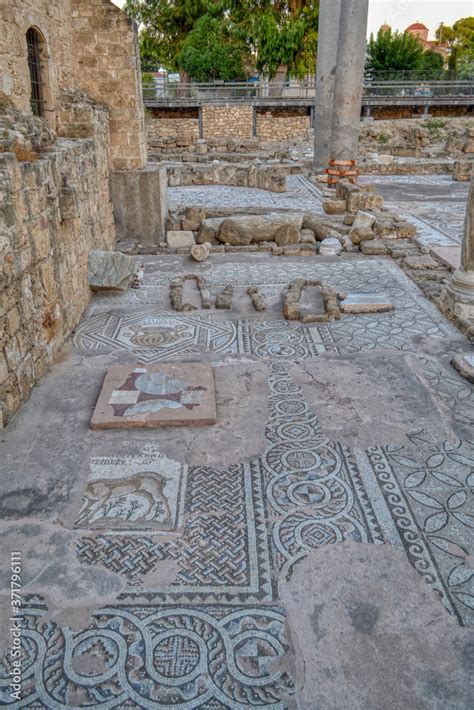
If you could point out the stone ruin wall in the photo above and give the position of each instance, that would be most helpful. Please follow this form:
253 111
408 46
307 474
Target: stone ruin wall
55 207
232 121
224 122
175 123
108 69
282 124
89 45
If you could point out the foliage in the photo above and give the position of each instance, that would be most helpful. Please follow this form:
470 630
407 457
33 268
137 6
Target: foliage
394 51
211 51
283 34
164 28
262 34
460 38
432 65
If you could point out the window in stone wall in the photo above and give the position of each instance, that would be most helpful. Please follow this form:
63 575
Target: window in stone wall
34 41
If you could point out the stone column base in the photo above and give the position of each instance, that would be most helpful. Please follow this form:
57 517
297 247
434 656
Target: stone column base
458 298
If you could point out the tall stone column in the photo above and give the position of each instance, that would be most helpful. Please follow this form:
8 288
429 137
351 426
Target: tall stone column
459 296
349 80
328 31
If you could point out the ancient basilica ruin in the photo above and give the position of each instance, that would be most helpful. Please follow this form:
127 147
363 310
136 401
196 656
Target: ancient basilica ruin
236 379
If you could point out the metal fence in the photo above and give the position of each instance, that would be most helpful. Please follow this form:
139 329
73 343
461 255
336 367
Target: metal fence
159 90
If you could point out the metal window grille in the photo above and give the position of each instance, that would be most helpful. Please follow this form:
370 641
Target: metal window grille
33 42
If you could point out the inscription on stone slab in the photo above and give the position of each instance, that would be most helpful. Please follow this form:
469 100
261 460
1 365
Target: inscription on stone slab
156 395
360 302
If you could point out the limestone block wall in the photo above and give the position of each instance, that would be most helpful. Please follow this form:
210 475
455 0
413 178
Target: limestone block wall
108 69
229 121
282 124
170 126
54 208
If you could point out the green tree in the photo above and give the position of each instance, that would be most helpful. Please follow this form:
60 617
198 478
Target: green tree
164 27
211 51
432 65
394 52
280 36
460 39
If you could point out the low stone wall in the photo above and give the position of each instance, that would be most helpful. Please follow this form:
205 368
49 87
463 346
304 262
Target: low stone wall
172 123
229 121
282 124
55 203
271 177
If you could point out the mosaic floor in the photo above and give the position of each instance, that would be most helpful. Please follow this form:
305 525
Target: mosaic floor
191 555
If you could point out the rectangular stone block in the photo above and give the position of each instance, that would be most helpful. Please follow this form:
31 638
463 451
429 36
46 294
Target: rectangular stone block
140 204
139 396
362 302
176 240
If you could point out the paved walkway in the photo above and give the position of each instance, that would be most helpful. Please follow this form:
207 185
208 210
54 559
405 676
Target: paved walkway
349 435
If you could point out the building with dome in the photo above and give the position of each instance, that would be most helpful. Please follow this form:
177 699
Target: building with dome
418 29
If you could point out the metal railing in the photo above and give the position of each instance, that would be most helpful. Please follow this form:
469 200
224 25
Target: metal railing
162 91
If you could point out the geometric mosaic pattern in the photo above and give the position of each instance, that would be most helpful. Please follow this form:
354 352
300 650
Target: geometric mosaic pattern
154 334
254 521
156 657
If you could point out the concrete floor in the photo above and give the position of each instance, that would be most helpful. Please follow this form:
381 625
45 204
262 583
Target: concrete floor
320 550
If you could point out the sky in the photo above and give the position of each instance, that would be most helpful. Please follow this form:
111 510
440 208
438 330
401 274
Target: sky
401 13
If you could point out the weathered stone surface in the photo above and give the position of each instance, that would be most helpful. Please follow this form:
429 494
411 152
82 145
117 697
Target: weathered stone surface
334 206
321 229
367 628
421 262
200 252
361 234
462 170
257 298
307 236
375 247
224 299
234 233
330 247
209 229
363 302
140 204
156 395
177 240
287 234
464 364
405 230
363 219
109 270
246 229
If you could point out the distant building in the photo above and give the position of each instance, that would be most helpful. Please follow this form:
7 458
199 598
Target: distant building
418 29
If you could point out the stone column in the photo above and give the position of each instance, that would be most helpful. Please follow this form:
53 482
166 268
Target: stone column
328 31
459 296
349 79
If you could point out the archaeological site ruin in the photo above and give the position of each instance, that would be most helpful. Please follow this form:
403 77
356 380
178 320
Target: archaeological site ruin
236 376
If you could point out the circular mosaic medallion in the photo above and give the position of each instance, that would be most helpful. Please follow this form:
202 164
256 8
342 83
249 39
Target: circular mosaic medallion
176 656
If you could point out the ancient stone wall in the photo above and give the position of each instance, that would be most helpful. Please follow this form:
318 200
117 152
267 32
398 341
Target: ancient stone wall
108 69
55 207
52 18
282 125
230 121
172 127
85 44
